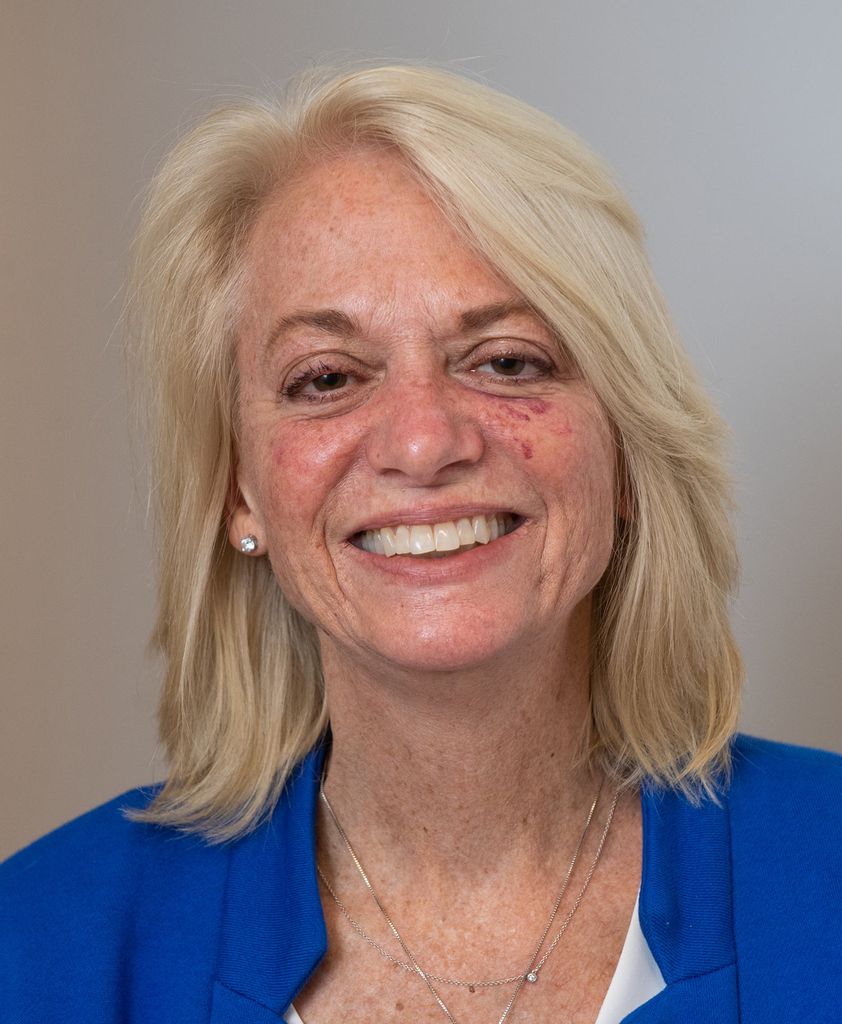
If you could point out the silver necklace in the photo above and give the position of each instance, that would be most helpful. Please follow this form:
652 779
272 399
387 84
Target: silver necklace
535 964
471 985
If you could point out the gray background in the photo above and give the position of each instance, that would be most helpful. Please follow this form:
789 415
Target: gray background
722 122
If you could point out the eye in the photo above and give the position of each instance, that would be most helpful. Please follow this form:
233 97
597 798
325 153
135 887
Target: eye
513 366
509 366
332 381
315 382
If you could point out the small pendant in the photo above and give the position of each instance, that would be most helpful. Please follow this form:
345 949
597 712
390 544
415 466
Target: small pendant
532 976
471 988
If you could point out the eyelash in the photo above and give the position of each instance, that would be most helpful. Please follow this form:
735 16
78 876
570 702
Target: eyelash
293 390
543 367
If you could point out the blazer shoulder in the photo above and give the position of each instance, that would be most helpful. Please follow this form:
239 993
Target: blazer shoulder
784 799
98 893
96 867
785 814
97 831
762 766
90 854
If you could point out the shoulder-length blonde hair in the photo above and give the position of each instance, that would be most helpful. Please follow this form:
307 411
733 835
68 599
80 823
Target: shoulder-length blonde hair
243 697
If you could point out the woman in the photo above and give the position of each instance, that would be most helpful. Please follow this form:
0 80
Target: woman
451 693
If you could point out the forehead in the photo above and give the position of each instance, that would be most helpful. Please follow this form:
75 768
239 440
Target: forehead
360 228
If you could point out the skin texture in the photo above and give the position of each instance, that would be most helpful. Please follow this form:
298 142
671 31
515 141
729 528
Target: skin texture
457 687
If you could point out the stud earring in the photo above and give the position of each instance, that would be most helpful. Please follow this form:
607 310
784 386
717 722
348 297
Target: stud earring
248 545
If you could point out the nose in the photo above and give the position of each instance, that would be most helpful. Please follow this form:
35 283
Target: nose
423 431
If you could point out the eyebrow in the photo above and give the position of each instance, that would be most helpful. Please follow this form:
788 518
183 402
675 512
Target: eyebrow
338 324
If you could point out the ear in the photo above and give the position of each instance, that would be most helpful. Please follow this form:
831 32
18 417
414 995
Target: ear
243 521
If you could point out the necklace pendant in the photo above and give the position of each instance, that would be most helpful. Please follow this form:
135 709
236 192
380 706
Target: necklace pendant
471 988
532 977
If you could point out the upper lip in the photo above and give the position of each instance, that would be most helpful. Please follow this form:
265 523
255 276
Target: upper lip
425 515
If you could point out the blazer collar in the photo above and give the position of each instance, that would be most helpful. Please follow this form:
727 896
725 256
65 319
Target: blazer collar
686 910
273 932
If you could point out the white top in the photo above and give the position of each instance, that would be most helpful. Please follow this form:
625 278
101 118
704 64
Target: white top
636 979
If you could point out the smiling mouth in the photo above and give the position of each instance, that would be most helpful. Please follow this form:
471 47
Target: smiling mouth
437 540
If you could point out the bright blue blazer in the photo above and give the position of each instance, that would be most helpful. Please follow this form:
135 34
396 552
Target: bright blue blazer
106 921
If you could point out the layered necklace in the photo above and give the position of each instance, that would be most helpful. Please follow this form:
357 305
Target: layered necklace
536 961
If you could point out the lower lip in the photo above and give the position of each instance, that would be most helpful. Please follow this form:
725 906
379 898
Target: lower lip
455 568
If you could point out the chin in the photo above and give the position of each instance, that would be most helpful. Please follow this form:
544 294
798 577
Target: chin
445 651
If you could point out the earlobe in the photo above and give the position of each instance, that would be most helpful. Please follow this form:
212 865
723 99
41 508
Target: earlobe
244 531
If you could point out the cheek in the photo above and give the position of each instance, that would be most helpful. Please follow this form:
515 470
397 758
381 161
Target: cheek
511 423
532 428
298 467
590 502
297 456
304 453
566 449
301 468
588 458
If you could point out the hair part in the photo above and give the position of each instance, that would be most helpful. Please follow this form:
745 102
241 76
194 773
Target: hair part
243 695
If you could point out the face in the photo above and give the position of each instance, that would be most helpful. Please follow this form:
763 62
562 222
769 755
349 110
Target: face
398 395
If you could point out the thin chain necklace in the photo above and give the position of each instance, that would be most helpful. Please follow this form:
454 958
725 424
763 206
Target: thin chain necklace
535 964
471 985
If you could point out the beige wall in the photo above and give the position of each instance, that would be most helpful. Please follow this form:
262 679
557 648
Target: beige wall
722 121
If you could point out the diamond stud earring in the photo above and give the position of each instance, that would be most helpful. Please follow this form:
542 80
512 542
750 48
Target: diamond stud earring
248 545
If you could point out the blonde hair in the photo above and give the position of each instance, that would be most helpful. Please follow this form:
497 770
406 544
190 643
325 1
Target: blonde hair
243 696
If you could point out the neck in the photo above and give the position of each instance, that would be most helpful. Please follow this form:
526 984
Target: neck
464 772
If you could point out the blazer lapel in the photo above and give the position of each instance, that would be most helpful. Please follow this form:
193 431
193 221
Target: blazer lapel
273 931
686 911
708 999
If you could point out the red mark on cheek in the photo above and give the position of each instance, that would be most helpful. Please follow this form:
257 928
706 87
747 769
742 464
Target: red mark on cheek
526 448
537 405
517 414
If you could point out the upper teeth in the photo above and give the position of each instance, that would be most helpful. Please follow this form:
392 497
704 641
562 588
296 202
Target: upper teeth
448 536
